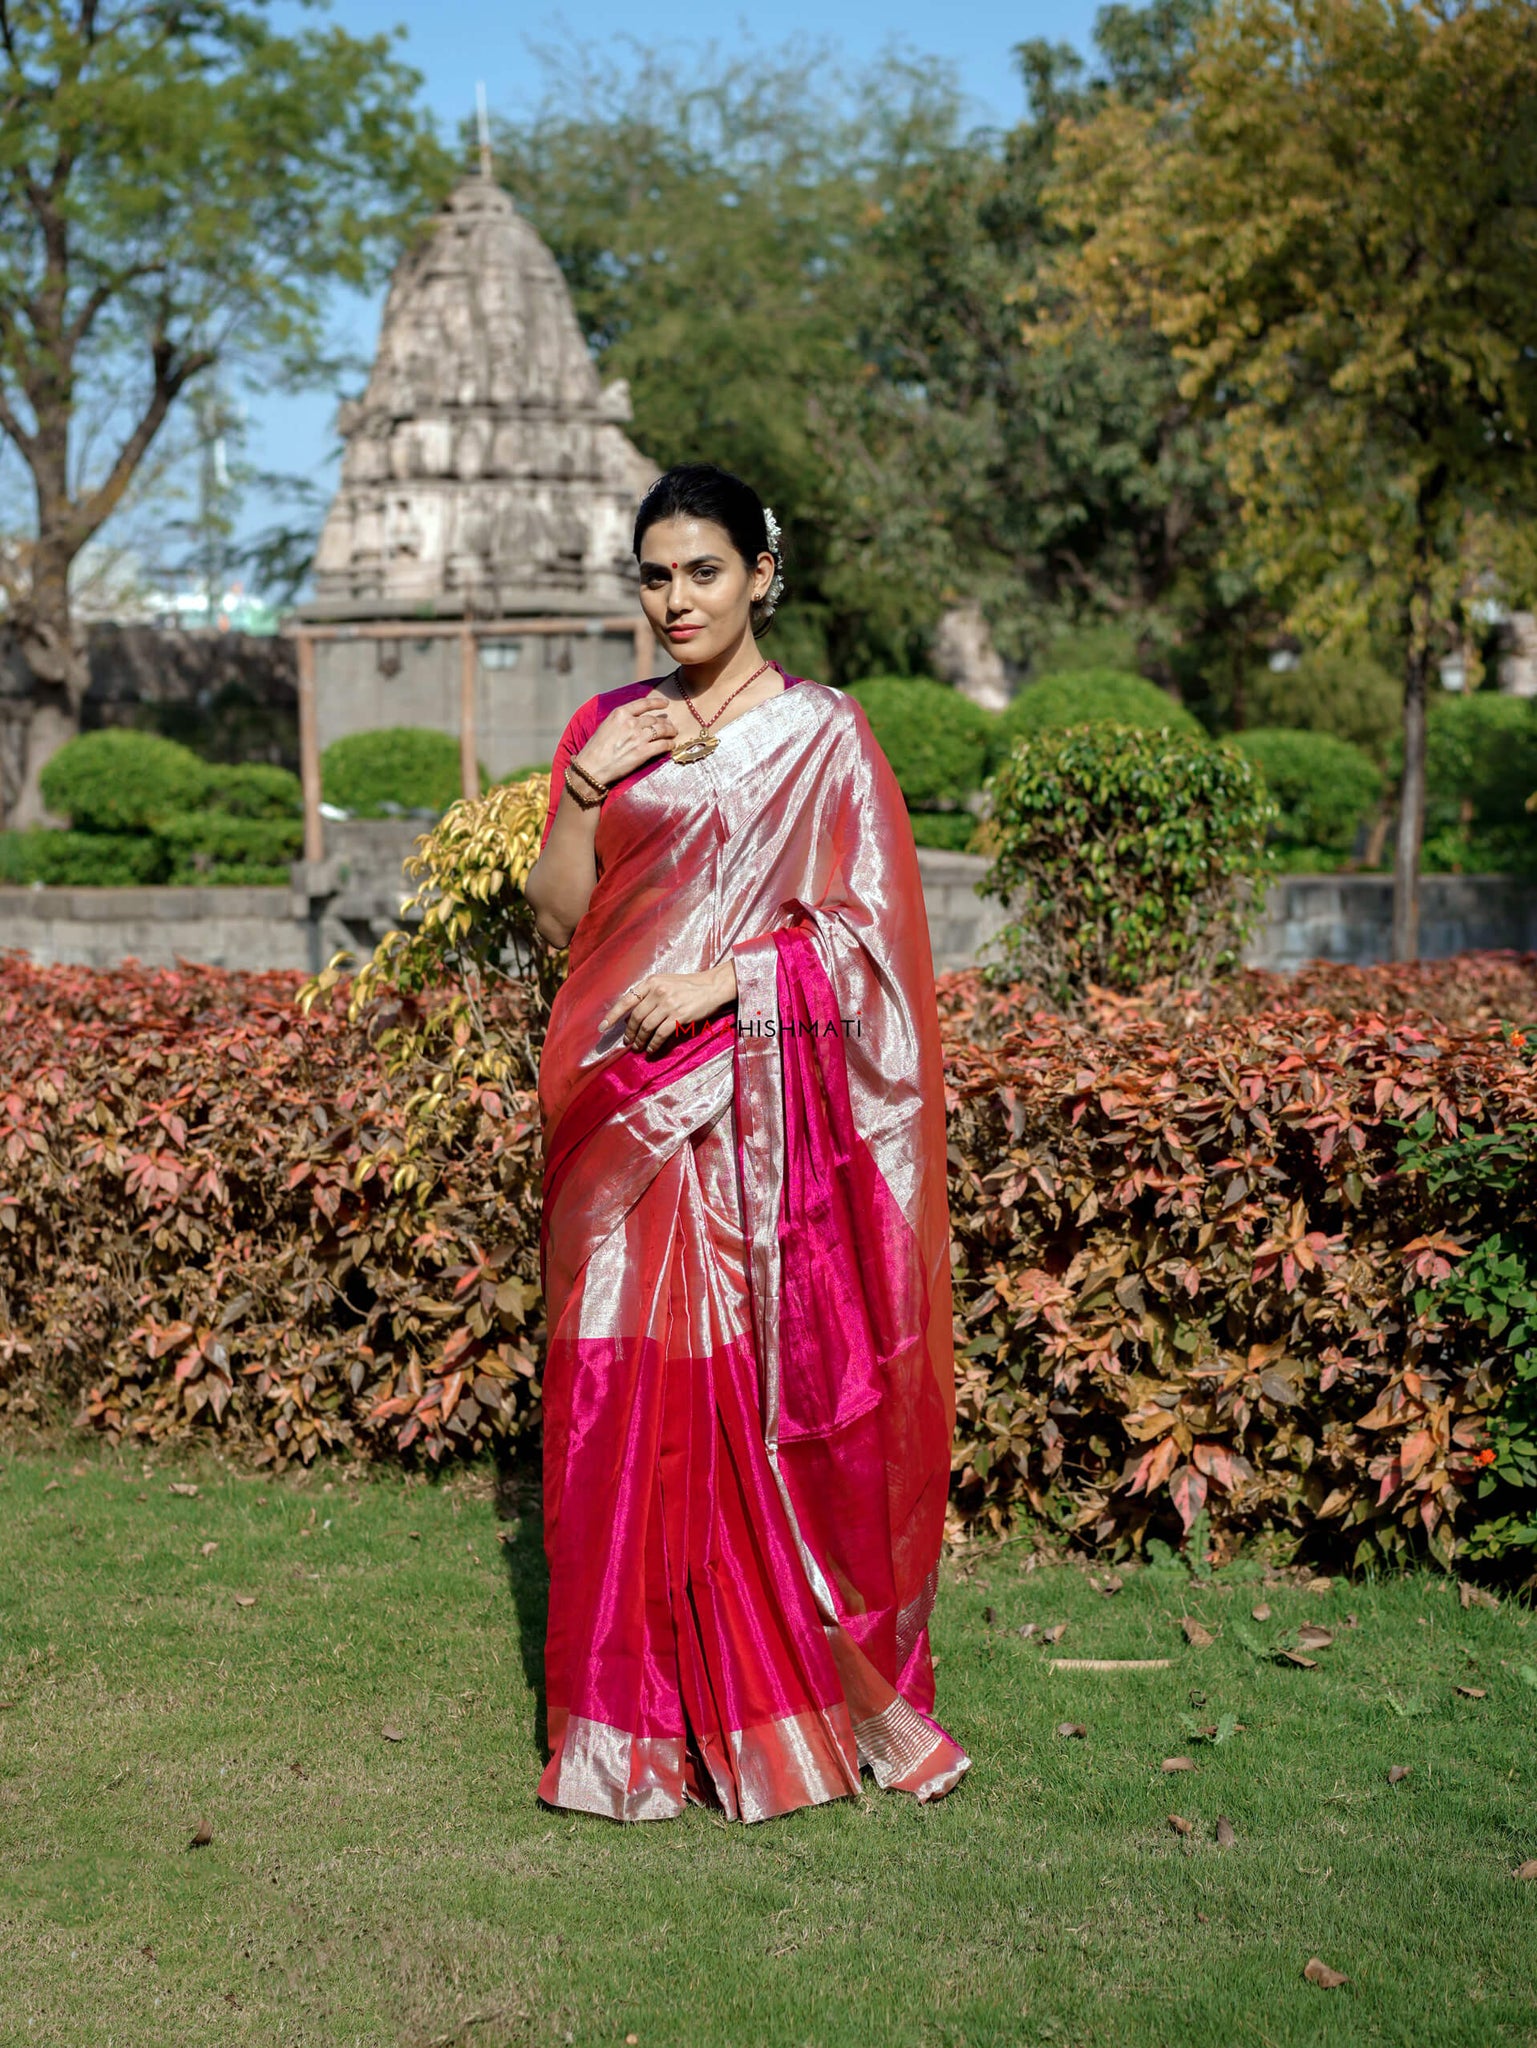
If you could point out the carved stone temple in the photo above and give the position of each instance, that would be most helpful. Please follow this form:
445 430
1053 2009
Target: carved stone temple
488 493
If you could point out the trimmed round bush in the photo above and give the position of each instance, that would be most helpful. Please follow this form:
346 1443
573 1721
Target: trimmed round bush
1480 768
1324 788
1094 696
254 789
118 780
1124 856
398 768
1349 695
936 740
949 831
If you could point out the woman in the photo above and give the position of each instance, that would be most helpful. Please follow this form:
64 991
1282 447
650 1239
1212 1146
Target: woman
748 1396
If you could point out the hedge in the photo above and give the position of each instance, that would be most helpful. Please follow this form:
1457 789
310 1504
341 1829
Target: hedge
1207 1264
210 847
80 860
1237 1266
216 1212
938 742
1096 696
396 769
145 809
1480 768
1121 855
1324 788
119 780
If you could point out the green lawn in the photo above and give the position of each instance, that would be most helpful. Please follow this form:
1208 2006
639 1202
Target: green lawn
362 1890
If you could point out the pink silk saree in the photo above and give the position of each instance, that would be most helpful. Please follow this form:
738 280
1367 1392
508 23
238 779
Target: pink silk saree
748 1394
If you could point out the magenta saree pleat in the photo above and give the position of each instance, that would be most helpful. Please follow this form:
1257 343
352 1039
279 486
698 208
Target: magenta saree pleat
749 1385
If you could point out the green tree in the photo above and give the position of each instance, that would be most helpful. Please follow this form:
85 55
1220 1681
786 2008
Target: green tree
813 280
715 235
1333 222
180 187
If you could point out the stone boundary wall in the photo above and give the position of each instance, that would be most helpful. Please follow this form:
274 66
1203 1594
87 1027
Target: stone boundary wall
352 897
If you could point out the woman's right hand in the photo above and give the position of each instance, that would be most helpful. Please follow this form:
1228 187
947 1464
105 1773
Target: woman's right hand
634 733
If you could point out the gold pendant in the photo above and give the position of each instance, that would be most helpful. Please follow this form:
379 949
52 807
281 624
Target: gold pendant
695 749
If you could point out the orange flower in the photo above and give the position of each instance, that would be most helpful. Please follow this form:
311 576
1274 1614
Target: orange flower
1485 1457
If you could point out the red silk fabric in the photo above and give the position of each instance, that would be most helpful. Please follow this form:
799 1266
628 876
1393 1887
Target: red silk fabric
748 1390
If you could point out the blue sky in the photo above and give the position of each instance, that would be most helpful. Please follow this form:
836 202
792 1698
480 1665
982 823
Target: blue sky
455 43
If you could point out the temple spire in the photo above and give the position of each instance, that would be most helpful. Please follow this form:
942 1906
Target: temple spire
483 125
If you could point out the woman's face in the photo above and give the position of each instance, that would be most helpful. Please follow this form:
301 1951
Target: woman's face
695 588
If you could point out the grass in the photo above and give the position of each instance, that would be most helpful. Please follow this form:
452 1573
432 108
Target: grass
359 1890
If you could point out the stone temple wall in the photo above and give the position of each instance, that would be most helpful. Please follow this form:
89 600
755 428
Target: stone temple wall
527 687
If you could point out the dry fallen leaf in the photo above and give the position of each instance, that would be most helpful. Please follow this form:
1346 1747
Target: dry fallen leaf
1071 1728
203 1836
1351 1621
1320 1585
1312 1637
52 1485
1476 1596
1473 1692
1397 1773
298 1770
988 1616
631 2040
415 1535
1029 1629
1180 1825
209 1549
1110 1584
245 1599
1296 1657
1528 1869
1320 1974
1225 1835
1055 1633
1196 1636
182 1486
1260 1613
1176 1763
391 1733
151 1954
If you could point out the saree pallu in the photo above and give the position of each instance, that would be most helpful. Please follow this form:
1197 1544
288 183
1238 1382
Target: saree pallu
749 1386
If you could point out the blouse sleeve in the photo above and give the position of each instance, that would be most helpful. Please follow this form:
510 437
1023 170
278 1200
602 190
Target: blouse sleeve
579 730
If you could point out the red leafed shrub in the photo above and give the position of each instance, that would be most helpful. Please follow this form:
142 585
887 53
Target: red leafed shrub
216 1210
1193 1273
1198 1273
1463 993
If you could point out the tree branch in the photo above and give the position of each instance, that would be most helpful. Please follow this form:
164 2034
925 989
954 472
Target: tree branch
12 428
93 511
101 296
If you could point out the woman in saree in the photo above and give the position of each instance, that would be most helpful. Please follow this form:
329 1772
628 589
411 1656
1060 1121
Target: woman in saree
749 1386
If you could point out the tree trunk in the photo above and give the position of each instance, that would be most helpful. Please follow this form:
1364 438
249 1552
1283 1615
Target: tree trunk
1411 805
42 632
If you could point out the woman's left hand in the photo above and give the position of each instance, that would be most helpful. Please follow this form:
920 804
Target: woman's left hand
659 1003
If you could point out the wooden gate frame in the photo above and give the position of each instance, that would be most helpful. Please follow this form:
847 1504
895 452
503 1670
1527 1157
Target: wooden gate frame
468 632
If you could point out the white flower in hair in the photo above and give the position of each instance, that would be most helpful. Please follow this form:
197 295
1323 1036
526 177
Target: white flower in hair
776 589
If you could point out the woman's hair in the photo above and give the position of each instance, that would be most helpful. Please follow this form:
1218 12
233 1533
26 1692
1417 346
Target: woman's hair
698 490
